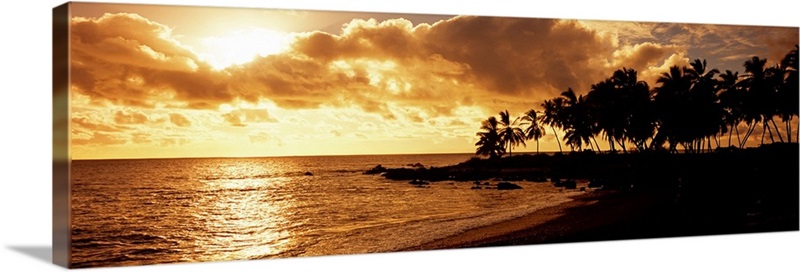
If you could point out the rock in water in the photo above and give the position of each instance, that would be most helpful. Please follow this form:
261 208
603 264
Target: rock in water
376 170
570 184
507 186
308 174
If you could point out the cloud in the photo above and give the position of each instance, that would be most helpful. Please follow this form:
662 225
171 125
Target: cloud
86 124
241 117
380 67
644 55
264 137
464 61
130 117
141 138
129 60
100 138
172 141
179 120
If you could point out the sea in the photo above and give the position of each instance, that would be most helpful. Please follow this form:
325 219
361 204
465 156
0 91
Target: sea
149 211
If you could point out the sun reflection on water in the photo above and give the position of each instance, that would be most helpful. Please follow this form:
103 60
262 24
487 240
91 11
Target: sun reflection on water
243 219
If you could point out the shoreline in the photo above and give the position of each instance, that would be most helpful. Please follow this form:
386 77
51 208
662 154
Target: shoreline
593 216
611 215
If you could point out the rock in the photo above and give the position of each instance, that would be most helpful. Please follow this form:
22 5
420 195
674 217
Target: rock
507 186
570 184
596 183
308 174
376 170
419 182
417 165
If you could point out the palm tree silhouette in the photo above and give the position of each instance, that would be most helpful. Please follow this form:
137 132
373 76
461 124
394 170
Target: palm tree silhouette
489 143
789 93
671 103
579 127
731 99
510 132
534 130
551 117
704 102
607 105
692 107
761 95
640 118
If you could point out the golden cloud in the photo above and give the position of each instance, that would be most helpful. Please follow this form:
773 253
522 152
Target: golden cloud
179 120
130 118
380 67
128 60
241 117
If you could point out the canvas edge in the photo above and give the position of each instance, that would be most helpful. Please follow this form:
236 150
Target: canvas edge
61 188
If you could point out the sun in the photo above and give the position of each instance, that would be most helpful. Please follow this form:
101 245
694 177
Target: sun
242 46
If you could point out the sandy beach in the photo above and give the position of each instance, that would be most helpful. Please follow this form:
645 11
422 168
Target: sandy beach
559 223
593 216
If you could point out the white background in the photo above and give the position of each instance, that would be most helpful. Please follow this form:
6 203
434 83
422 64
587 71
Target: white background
25 174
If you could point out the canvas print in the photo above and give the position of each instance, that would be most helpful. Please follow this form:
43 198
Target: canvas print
209 134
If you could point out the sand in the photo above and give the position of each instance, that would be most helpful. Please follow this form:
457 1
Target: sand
593 216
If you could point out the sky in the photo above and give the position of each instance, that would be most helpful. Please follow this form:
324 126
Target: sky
177 81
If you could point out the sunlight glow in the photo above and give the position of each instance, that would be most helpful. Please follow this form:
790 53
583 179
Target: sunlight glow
240 47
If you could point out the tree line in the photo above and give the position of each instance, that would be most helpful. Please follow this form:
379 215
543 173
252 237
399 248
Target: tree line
692 108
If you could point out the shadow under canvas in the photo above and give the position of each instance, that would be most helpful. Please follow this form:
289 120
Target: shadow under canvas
42 253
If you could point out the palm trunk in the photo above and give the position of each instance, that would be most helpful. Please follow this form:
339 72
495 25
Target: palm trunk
738 138
776 129
557 140
766 125
751 127
789 130
709 144
611 147
730 136
763 132
537 146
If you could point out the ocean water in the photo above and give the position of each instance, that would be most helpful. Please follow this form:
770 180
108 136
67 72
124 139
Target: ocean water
148 211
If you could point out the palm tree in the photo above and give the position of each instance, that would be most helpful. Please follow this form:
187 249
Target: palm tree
732 98
552 109
641 124
607 108
672 109
534 131
708 113
490 143
761 95
579 127
789 93
510 132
